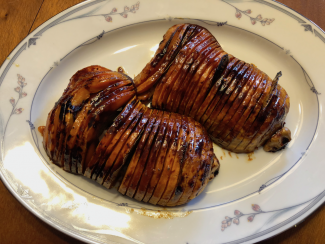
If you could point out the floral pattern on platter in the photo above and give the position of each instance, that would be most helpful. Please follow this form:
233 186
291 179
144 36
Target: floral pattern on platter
19 89
108 18
228 220
21 94
24 193
124 14
239 13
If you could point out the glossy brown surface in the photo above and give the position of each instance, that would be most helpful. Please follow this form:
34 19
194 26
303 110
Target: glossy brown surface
140 146
17 20
199 83
86 108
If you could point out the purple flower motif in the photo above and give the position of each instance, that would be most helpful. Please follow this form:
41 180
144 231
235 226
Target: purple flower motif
238 14
17 89
256 208
223 227
236 221
263 22
12 101
132 9
137 6
124 14
21 81
18 110
108 18
20 78
250 218
228 221
24 94
269 21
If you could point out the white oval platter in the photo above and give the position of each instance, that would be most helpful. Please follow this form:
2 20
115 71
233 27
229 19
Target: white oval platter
254 197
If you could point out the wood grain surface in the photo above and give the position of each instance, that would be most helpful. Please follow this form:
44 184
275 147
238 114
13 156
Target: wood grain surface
17 225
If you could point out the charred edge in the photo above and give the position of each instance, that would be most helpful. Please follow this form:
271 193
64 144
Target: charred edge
177 50
203 167
65 107
273 86
98 171
66 158
179 190
262 116
226 73
275 149
278 75
224 85
227 78
160 55
76 109
285 141
190 29
183 150
205 175
76 156
91 168
191 183
179 46
221 67
62 112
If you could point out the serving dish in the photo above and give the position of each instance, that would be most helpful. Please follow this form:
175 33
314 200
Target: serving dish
284 187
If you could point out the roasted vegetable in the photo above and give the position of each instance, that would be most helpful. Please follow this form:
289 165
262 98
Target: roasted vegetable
143 150
79 117
165 157
171 163
239 105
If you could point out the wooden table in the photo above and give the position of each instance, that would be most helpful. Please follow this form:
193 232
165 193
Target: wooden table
20 17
